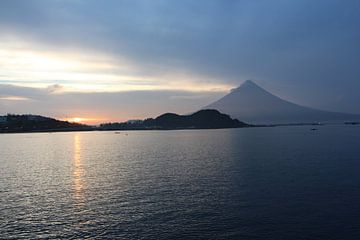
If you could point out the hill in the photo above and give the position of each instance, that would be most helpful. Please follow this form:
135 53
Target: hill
35 123
203 119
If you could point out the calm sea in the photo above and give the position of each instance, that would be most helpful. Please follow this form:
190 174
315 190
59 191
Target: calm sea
256 183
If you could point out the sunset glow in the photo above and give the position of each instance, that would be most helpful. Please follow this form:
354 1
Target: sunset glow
13 98
22 64
160 119
93 62
82 120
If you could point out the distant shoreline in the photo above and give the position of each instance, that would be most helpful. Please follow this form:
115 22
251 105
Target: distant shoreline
98 129
201 120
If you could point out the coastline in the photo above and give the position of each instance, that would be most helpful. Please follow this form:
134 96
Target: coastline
92 129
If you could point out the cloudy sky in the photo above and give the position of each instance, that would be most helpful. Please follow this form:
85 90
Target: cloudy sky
125 59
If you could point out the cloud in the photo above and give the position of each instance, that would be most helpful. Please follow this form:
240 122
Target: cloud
13 98
25 92
105 106
305 50
56 88
23 64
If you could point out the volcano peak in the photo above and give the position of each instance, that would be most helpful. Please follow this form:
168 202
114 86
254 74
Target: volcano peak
253 104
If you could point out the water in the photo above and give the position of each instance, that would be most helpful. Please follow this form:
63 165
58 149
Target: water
258 183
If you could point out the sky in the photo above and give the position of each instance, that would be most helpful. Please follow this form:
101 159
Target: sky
114 60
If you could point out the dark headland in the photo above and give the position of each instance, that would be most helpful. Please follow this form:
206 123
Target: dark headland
12 123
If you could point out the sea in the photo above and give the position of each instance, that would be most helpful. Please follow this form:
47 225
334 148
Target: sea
295 182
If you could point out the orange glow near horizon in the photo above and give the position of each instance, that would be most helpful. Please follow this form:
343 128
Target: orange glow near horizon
83 120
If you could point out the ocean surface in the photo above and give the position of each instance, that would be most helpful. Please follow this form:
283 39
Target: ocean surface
254 183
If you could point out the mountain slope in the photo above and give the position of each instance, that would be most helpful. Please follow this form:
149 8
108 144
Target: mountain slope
252 104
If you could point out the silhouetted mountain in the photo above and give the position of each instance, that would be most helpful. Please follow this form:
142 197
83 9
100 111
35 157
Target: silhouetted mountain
34 123
252 104
204 119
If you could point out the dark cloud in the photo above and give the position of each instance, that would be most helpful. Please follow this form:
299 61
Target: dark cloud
307 51
26 92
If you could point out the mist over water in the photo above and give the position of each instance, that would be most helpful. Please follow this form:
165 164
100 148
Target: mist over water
254 183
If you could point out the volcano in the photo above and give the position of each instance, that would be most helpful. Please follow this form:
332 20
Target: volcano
253 104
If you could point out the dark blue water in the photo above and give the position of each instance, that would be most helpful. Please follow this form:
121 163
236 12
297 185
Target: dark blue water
257 183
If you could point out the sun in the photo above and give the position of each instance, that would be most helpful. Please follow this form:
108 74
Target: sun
83 120
77 120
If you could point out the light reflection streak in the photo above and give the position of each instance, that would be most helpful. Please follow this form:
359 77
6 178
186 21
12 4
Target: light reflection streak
78 171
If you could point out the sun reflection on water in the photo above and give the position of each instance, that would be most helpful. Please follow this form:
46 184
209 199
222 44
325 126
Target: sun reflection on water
78 171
